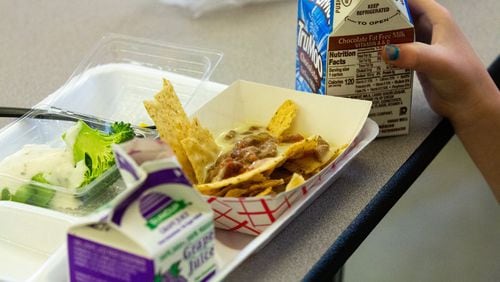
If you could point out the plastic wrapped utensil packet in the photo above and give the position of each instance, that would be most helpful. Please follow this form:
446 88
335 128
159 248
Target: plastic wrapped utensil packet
200 7
159 230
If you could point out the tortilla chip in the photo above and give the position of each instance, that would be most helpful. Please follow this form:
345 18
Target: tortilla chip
196 150
268 191
235 192
283 118
266 165
304 166
293 151
200 148
171 122
295 182
258 178
211 192
266 184
220 192
337 152
299 149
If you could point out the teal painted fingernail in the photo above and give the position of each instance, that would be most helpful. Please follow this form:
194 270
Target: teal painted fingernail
392 52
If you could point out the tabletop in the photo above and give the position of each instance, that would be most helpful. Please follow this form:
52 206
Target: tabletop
42 42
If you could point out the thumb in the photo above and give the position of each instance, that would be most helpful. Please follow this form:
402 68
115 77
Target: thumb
419 56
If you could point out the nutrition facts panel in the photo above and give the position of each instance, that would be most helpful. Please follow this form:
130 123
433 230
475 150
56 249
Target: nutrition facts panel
362 74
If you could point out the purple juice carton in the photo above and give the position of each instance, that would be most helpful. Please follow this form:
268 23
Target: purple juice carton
338 53
160 229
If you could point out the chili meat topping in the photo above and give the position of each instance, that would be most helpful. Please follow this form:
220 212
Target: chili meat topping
246 147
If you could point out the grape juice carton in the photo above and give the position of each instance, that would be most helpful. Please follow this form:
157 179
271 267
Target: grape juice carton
338 53
159 230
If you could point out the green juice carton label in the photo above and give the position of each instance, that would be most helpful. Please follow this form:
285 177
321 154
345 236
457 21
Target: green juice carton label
160 229
338 53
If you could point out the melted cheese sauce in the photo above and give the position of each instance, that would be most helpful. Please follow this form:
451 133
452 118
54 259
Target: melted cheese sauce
243 148
227 144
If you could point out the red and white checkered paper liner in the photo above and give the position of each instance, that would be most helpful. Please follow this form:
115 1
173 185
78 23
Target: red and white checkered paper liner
252 215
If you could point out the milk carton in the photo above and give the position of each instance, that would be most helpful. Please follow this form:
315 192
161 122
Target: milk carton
338 45
160 230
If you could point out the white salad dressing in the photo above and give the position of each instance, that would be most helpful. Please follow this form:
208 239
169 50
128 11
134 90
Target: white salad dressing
55 164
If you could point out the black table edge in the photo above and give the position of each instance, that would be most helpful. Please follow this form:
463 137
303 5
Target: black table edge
352 237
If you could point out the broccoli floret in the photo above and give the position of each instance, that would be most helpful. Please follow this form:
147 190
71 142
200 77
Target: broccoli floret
94 147
34 194
121 132
5 195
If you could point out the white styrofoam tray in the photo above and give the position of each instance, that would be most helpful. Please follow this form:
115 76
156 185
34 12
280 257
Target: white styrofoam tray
231 248
29 239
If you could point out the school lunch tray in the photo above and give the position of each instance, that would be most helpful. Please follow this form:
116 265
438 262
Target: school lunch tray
231 249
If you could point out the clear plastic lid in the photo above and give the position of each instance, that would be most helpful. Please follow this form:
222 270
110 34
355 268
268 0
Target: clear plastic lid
111 85
122 71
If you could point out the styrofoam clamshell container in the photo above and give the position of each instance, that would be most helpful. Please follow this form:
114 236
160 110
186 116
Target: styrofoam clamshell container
110 84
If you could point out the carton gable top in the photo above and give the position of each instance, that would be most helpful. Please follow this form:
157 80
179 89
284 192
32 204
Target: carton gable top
159 206
359 17
162 206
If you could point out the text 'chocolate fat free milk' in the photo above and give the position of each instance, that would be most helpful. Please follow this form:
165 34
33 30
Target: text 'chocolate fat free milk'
338 53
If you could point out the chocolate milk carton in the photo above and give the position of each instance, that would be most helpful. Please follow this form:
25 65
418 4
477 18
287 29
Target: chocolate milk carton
338 45
160 229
